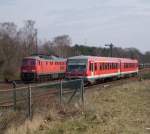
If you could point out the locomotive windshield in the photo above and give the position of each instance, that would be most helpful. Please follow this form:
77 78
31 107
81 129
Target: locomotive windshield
76 67
77 64
28 62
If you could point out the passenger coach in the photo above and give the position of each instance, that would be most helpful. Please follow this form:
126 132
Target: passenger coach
92 68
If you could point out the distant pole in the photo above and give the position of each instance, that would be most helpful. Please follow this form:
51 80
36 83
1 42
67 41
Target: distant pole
14 94
36 41
61 91
111 48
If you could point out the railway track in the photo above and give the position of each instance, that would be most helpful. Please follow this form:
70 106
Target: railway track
53 92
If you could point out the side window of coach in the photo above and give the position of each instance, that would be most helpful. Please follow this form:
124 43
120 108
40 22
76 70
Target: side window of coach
90 67
39 62
95 66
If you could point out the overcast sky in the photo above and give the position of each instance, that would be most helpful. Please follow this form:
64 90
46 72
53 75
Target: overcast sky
126 23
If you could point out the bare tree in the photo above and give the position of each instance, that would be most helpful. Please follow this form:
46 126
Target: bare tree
62 45
8 48
28 37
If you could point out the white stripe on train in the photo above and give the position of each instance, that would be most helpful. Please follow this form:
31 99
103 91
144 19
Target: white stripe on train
112 74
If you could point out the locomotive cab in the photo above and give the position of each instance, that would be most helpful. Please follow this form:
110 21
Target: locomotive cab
28 69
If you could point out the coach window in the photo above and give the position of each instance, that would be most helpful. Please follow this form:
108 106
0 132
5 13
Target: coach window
112 65
90 67
95 66
100 66
115 65
106 66
103 67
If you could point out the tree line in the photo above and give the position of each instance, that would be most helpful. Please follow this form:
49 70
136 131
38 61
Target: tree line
16 43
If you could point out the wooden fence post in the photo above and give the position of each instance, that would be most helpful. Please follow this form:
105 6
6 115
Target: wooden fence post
60 93
82 90
29 102
14 95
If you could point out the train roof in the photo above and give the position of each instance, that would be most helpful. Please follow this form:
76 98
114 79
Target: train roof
103 58
45 57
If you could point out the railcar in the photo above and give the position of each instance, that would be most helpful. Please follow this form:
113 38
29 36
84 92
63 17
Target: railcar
91 68
40 67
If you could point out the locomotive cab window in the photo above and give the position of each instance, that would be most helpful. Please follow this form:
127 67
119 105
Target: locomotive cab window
29 62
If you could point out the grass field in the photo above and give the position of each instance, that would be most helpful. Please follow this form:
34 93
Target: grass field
121 109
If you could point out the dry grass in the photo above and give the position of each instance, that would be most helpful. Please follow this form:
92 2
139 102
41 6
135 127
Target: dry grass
119 110
27 128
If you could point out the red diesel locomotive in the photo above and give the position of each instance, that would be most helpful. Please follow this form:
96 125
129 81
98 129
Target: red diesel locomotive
92 68
36 68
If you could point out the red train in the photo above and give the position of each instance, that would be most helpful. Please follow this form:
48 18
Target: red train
35 68
92 68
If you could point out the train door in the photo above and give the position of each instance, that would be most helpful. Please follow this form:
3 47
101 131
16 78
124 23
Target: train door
92 68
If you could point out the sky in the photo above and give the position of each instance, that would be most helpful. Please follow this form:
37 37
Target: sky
125 23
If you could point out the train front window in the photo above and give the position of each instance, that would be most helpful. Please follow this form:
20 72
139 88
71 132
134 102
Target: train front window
76 67
27 62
